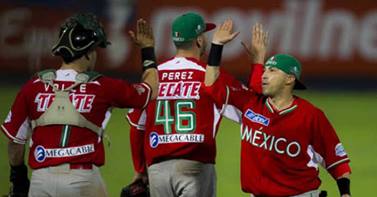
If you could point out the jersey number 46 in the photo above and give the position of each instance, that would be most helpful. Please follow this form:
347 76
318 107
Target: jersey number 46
184 121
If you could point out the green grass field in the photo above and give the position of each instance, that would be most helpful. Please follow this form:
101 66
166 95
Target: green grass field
354 115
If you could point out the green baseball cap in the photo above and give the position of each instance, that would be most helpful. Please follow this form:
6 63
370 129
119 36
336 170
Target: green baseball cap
289 65
189 26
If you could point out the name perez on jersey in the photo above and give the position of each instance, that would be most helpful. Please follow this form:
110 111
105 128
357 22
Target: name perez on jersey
180 75
82 102
269 142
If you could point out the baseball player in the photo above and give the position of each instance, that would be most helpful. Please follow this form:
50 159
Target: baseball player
66 111
284 138
178 145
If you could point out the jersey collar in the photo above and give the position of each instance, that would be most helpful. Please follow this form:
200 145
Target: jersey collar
193 59
271 108
66 75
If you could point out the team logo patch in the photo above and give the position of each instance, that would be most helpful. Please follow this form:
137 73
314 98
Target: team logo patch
153 139
258 118
139 88
339 150
40 154
147 63
271 61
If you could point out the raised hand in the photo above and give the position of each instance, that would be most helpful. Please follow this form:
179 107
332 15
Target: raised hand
257 49
224 33
144 34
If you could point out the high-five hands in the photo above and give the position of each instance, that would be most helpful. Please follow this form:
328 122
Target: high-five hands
257 48
143 37
224 33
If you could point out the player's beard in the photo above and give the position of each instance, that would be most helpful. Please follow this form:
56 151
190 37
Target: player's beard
273 89
266 91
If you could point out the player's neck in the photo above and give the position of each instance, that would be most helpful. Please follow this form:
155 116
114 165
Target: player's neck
75 65
281 101
188 53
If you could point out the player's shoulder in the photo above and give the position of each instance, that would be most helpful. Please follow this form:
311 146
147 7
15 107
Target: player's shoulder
33 81
179 63
307 106
108 82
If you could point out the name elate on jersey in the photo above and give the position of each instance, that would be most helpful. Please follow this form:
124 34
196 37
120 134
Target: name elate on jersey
82 102
41 153
179 90
155 139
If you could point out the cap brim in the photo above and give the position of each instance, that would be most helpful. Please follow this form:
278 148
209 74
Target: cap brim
299 85
209 27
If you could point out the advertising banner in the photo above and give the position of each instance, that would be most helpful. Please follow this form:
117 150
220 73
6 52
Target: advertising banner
334 38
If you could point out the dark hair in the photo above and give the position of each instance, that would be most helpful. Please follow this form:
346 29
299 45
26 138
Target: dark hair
184 45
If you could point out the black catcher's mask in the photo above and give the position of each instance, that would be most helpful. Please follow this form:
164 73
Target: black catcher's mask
79 35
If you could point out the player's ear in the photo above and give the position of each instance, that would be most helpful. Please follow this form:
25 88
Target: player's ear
199 41
290 79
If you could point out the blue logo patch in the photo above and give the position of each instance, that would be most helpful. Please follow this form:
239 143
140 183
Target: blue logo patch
339 150
153 139
258 118
40 153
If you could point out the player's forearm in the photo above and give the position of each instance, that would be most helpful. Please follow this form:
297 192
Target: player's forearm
255 78
345 175
16 153
18 170
212 73
213 67
150 75
137 150
343 183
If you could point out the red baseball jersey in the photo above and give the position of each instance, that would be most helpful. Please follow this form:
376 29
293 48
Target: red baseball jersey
183 121
56 144
281 150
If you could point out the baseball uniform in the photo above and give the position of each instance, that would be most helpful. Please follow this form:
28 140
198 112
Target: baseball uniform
57 149
282 149
180 125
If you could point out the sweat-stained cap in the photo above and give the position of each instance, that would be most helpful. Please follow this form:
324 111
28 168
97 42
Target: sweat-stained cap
189 26
289 65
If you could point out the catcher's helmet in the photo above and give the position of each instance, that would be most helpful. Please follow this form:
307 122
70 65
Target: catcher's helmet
78 35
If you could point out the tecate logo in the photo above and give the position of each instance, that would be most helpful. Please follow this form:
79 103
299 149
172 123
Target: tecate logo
153 139
40 154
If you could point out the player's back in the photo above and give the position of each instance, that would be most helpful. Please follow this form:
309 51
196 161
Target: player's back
183 120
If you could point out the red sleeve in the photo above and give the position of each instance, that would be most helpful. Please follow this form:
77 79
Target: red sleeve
327 144
223 93
137 149
136 118
229 80
255 78
338 170
125 95
17 123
